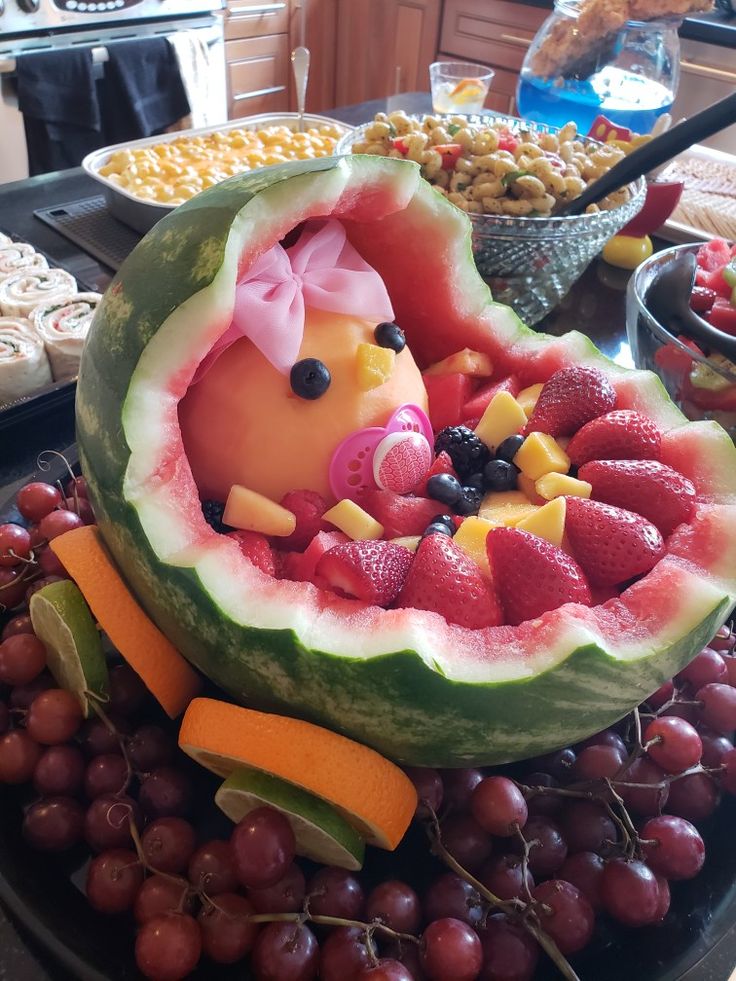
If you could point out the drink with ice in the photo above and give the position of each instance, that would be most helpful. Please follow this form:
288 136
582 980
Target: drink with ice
459 87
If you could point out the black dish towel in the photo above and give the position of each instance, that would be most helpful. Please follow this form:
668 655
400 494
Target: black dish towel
61 114
143 89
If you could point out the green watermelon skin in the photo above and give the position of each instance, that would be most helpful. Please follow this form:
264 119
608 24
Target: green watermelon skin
467 697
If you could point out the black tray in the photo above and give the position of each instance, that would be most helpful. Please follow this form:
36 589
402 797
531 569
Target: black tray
696 942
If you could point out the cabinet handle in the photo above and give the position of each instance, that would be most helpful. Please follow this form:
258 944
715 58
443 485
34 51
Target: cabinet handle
520 42
257 9
254 95
704 71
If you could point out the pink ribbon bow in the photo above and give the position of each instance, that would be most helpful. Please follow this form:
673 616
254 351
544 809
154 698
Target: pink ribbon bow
321 270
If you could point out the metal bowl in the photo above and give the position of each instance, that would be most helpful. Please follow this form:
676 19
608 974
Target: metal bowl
655 347
531 263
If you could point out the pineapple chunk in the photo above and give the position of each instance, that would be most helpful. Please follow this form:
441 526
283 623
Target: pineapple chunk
251 511
527 398
503 417
505 507
557 484
471 538
465 362
548 522
354 521
375 365
540 454
408 541
527 485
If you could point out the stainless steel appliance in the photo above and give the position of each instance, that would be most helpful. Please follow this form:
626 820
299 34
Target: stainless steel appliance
35 25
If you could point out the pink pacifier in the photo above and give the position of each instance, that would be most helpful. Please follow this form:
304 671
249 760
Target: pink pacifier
394 457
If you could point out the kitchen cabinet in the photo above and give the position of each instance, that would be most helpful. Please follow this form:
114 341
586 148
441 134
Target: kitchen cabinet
384 47
495 33
257 57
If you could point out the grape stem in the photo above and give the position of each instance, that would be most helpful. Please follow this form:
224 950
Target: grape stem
376 926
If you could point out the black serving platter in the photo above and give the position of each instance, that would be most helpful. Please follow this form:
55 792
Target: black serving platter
696 942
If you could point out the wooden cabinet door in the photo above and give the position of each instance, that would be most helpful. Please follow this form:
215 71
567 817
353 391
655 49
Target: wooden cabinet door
313 24
257 74
250 18
384 47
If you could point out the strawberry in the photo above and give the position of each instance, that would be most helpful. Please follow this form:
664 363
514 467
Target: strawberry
619 435
442 579
256 548
532 575
612 545
442 464
400 515
370 571
301 566
570 398
307 507
647 487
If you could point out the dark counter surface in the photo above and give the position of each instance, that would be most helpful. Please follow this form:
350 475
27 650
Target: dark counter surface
596 306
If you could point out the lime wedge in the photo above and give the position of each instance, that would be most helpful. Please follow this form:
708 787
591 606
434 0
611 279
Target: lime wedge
321 833
63 623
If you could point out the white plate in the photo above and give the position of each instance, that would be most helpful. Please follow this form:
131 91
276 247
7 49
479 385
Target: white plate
677 232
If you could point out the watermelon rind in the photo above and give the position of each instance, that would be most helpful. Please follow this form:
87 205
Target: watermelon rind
403 681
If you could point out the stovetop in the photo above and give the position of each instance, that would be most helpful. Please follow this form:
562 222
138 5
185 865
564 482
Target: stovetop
27 17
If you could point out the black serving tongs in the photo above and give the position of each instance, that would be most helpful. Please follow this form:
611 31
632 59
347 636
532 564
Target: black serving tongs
653 154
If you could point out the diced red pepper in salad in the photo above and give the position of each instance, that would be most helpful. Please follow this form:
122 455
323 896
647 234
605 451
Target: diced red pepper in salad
723 316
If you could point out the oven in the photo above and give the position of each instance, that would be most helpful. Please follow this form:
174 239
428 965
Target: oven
35 25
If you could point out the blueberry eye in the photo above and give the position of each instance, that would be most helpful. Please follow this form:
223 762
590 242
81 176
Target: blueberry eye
310 378
390 335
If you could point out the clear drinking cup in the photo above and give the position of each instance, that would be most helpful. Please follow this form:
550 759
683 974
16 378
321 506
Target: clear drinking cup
459 86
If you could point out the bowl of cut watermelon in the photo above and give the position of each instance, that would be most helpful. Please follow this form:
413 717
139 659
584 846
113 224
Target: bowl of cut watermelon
701 382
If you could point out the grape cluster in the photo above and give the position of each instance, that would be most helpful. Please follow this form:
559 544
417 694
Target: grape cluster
530 857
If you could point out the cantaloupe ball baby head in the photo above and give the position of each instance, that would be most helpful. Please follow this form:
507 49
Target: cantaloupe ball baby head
246 420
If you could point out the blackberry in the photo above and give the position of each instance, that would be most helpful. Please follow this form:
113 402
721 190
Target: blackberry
213 512
468 454
469 502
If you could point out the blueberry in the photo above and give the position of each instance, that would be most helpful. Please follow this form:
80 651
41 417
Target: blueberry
445 488
476 480
508 449
310 378
390 335
436 528
469 502
446 520
500 476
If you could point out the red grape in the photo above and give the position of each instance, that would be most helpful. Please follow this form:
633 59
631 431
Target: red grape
661 696
4 718
227 934
396 904
385 969
706 667
724 639
15 544
19 756
730 661
584 870
54 824
19 624
168 947
107 822
59 771
13 585
150 747
162 894
629 892
677 850
607 737
718 707
168 844
22 695
642 800
663 899
113 880
586 826
693 797
54 716
285 952
466 841
715 747
211 868
547 847
82 507
498 806
559 765
336 892
126 690
502 874
76 485
541 803
458 786
58 523
39 584
429 788
284 896
451 896
728 776
598 761
106 774
451 951
263 847
509 951
22 658
683 710
565 914
38 499
343 953
166 792
96 739
50 565
672 743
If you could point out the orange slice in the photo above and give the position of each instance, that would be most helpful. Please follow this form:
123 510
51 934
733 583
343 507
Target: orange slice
467 89
373 794
150 654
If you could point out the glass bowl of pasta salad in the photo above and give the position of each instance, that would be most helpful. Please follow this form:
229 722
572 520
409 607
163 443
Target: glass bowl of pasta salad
508 175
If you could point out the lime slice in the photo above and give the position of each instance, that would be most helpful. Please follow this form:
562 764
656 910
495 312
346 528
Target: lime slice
321 833
63 623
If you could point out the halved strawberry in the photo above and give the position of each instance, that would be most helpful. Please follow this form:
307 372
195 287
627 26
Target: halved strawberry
619 435
444 580
611 544
401 515
647 487
308 507
533 576
370 571
569 399
442 464
302 566
256 548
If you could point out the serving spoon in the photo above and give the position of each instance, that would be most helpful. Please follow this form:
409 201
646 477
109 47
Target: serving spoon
668 300
654 153
300 65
